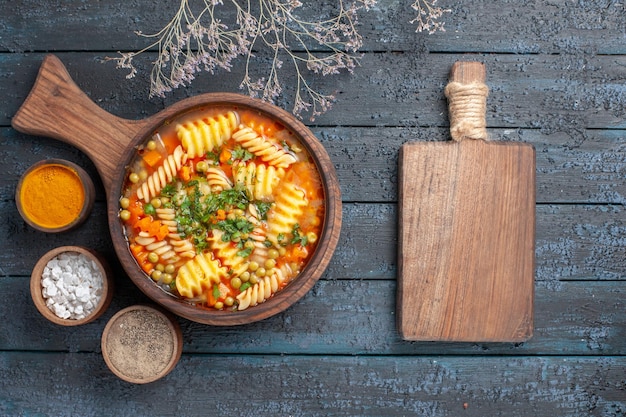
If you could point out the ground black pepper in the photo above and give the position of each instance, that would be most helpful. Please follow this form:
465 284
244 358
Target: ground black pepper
140 345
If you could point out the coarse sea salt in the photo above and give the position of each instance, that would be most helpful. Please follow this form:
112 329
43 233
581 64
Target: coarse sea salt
72 285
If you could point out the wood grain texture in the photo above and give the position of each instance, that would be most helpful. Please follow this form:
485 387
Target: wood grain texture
343 317
535 26
57 108
556 73
563 93
466 233
466 241
314 386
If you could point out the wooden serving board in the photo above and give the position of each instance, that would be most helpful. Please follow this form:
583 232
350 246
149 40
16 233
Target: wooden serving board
466 237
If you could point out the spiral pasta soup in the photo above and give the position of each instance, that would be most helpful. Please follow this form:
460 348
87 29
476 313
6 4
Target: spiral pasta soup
222 207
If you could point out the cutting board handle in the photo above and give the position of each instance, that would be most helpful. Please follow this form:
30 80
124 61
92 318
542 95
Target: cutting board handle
467 101
57 108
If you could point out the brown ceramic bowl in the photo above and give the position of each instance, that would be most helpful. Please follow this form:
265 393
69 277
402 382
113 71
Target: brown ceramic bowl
141 344
53 226
57 108
37 290
295 289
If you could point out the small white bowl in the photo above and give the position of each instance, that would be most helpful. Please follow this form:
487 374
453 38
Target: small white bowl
36 287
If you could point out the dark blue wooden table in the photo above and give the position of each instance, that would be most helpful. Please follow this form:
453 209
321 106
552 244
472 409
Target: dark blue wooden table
557 73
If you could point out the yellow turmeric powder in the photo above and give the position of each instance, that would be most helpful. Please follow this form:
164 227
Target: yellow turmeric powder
52 196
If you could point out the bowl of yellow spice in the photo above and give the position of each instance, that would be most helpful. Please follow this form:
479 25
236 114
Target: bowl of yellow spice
54 195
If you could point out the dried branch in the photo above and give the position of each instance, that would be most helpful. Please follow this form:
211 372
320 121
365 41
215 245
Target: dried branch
192 42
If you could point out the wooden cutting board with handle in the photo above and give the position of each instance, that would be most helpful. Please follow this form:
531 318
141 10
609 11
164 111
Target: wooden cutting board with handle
466 228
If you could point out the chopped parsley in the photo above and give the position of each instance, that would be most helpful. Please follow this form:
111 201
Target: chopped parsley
244 253
213 156
169 190
262 208
234 229
241 154
149 209
297 237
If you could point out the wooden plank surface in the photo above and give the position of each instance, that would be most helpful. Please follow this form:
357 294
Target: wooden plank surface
578 318
307 385
574 242
554 93
556 72
534 26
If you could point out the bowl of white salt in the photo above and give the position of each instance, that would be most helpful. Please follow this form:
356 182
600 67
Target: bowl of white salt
71 285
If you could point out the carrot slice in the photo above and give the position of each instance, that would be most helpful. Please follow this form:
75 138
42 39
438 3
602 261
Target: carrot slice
143 224
152 157
154 227
170 142
163 231
185 173
225 156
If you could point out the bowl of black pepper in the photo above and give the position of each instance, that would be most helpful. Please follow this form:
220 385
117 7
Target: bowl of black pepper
141 344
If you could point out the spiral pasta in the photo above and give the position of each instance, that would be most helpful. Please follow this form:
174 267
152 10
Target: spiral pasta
264 289
260 253
218 180
198 276
203 135
263 148
151 244
227 253
163 175
284 214
259 179
182 247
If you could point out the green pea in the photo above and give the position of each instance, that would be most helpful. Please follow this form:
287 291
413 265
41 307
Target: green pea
235 283
156 202
134 178
219 305
270 263
273 253
169 268
125 215
167 278
253 266
253 279
245 277
151 145
124 202
202 166
229 301
156 275
153 257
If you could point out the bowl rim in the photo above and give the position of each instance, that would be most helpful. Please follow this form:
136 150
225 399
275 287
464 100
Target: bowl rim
319 260
175 332
88 188
36 288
